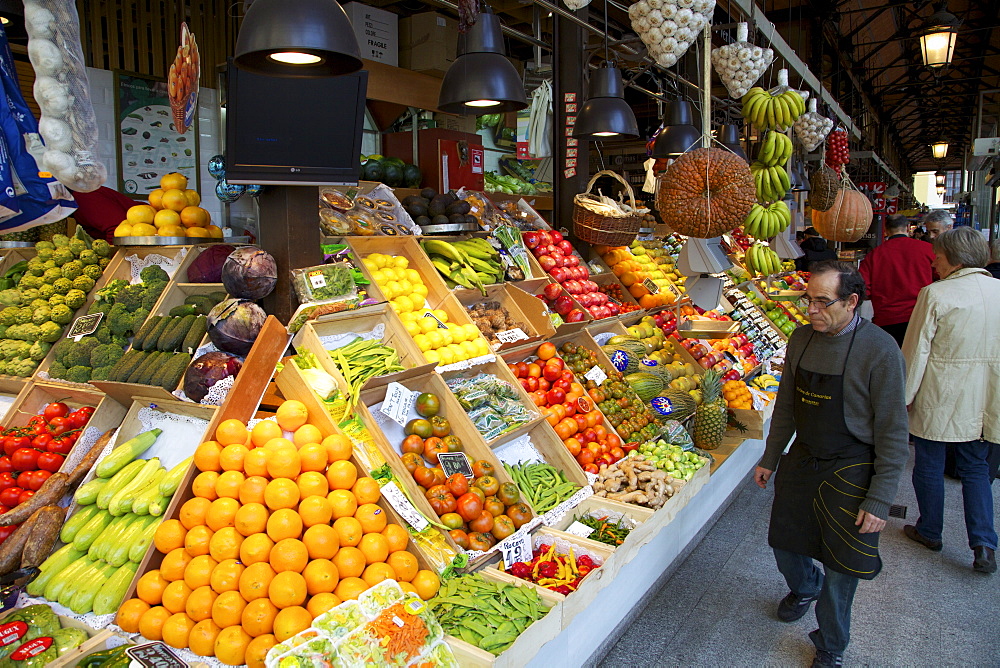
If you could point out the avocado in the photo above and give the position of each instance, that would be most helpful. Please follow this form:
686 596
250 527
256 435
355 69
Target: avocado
460 206
417 210
422 220
439 220
457 219
436 208
410 200
471 220
428 193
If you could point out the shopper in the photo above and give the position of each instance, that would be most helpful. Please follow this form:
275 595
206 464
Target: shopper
994 266
936 222
952 356
894 274
815 249
840 396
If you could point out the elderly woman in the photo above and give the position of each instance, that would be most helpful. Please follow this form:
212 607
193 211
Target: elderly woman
952 356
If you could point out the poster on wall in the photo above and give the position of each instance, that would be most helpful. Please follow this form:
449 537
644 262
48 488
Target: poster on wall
149 145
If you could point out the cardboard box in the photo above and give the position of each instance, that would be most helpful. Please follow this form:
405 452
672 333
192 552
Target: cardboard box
377 31
456 123
428 43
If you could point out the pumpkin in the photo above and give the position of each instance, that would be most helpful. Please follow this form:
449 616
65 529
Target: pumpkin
847 220
823 188
705 193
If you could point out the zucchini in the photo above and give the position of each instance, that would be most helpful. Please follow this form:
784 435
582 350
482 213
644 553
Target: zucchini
113 592
159 505
125 453
86 494
68 590
118 480
57 562
149 343
83 600
89 532
141 369
140 541
170 482
55 586
76 522
121 502
195 335
145 330
182 310
118 551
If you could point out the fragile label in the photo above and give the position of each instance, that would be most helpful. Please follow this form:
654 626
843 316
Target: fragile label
455 462
84 325
155 655
398 402
316 279
511 335
12 632
579 529
402 505
651 286
596 374
515 548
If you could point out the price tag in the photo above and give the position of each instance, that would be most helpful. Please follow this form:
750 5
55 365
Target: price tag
455 462
155 655
84 325
651 286
316 279
398 402
579 529
511 335
402 505
515 548
441 325
597 375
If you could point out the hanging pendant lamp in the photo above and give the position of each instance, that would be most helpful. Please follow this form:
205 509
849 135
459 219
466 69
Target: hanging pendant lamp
938 37
305 38
679 133
939 149
482 80
605 115
729 136
12 20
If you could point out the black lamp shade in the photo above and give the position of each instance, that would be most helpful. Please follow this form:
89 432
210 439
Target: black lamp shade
482 74
605 115
729 136
316 32
679 133
12 18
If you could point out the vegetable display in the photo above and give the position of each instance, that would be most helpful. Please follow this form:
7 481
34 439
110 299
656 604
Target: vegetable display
35 637
668 28
324 282
542 484
249 273
472 263
605 530
675 460
361 360
637 480
812 128
555 570
206 371
234 324
494 406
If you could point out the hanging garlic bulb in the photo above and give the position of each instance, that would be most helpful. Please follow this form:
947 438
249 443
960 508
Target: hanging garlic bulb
741 63
669 27
812 128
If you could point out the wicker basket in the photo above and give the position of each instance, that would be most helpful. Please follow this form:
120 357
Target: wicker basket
823 188
595 228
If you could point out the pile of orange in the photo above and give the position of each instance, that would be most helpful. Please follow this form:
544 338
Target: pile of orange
278 531
737 394
172 211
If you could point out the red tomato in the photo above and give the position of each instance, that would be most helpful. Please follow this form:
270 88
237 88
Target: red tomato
50 461
78 418
7 481
441 500
25 459
469 506
12 443
86 410
40 478
25 495
6 466
10 497
7 531
54 410
61 445
41 442
26 480
35 420
4 509
59 425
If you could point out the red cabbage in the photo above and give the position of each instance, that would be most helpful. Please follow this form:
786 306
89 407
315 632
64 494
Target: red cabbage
249 273
208 370
207 267
234 324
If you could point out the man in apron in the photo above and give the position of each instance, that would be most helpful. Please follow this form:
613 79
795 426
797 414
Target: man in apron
841 397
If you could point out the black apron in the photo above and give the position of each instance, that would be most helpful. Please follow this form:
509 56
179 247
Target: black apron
823 479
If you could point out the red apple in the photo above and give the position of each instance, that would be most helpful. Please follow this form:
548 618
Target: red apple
547 262
564 304
658 319
573 260
555 236
705 363
531 239
576 315
544 237
552 290
560 274
572 286
565 246
732 374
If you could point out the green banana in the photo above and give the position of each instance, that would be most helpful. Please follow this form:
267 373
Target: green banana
445 250
440 264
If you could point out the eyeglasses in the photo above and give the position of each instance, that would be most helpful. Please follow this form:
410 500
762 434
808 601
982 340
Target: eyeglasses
818 303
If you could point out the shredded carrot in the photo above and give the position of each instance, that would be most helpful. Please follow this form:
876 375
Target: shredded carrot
408 638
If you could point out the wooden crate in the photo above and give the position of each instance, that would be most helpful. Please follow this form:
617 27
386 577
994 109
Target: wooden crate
552 450
627 298
600 506
97 640
525 309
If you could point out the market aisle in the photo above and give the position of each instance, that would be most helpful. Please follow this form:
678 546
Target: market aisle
925 609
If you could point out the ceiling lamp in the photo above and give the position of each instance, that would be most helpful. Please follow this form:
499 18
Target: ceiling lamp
12 19
940 149
940 191
679 133
605 115
729 136
939 178
305 38
482 80
937 38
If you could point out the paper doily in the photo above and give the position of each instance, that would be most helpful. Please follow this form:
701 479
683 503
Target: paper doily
518 451
334 341
44 375
168 264
466 364
603 337
555 515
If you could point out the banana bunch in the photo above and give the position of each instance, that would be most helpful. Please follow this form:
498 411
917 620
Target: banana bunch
772 182
765 382
772 112
766 221
775 150
760 259
472 263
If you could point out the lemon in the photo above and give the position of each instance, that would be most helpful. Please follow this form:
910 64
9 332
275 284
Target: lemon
441 315
446 336
405 286
432 356
418 300
419 289
410 317
378 276
471 332
436 338
123 229
143 230
423 342
426 324
381 260
369 264
413 277
390 274
411 327
404 302
482 348
400 262
447 355
395 288
460 354
470 349
457 332
395 307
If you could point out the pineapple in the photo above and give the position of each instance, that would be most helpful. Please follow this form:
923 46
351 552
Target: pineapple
711 416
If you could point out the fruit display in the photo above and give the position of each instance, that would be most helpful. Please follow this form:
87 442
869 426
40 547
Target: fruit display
562 306
553 569
761 340
558 259
393 172
711 417
740 236
172 211
777 110
761 260
433 208
771 183
472 263
766 383
775 150
637 480
679 463
614 291
543 485
706 192
493 406
649 274
37 637
737 395
491 317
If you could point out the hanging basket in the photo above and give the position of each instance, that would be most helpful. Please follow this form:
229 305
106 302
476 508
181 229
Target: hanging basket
824 185
593 222
706 192
812 128
848 219
741 63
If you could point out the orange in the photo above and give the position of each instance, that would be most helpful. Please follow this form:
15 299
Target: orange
375 573
321 577
312 456
232 456
343 503
169 536
284 523
198 540
348 530
289 554
255 549
307 433
194 216
342 475
229 482
280 442
226 577
372 518
350 562
222 513
408 588
193 512
173 181
404 565
130 613
375 547
291 415
152 621
338 447
214 231
202 638
150 587
164 219
350 588
255 463
312 483
251 518
140 213
231 645
193 198
199 572
255 580
252 489
396 536
204 485
175 596
287 589
155 197
232 432
290 621
320 603
315 510
206 456
258 617
227 610
427 584
173 564
281 493
263 432
366 490
200 602
321 541
225 544
257 650
283 462
196 232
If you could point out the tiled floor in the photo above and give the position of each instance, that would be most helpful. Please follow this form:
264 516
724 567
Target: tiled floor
924 609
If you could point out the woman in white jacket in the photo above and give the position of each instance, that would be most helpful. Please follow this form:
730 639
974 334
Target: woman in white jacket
952 351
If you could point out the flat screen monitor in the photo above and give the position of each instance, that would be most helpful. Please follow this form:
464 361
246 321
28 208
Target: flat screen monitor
294 131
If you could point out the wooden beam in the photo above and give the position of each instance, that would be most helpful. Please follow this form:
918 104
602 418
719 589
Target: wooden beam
405 87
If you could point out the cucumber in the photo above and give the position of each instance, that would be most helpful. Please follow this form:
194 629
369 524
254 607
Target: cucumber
125 453
195 335
170 374
145 330
141 369
146 377
125 365
121 502
65 576
182 310
140 542
119 480
119 549
171 339
57 562
89 532
113 592
149 343
170 482
87 493
76 522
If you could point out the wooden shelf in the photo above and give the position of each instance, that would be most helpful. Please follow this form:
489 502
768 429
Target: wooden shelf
537 202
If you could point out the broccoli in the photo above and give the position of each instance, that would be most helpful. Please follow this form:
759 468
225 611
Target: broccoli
62 256
153 272
120 320
62 285
92 271
88 258
57 370
41 315
79 354
57 299
49 332
78 374
45 291
46 254
61 349
22 367
121 341
8 316
61 314
77 246
24 314
72 269
97 307
105 354
130 296
103 333
30 281
102 248
47 245
101 373
84 283
75 298
110 291
30 295
152 294
38 350
104 262
60 240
